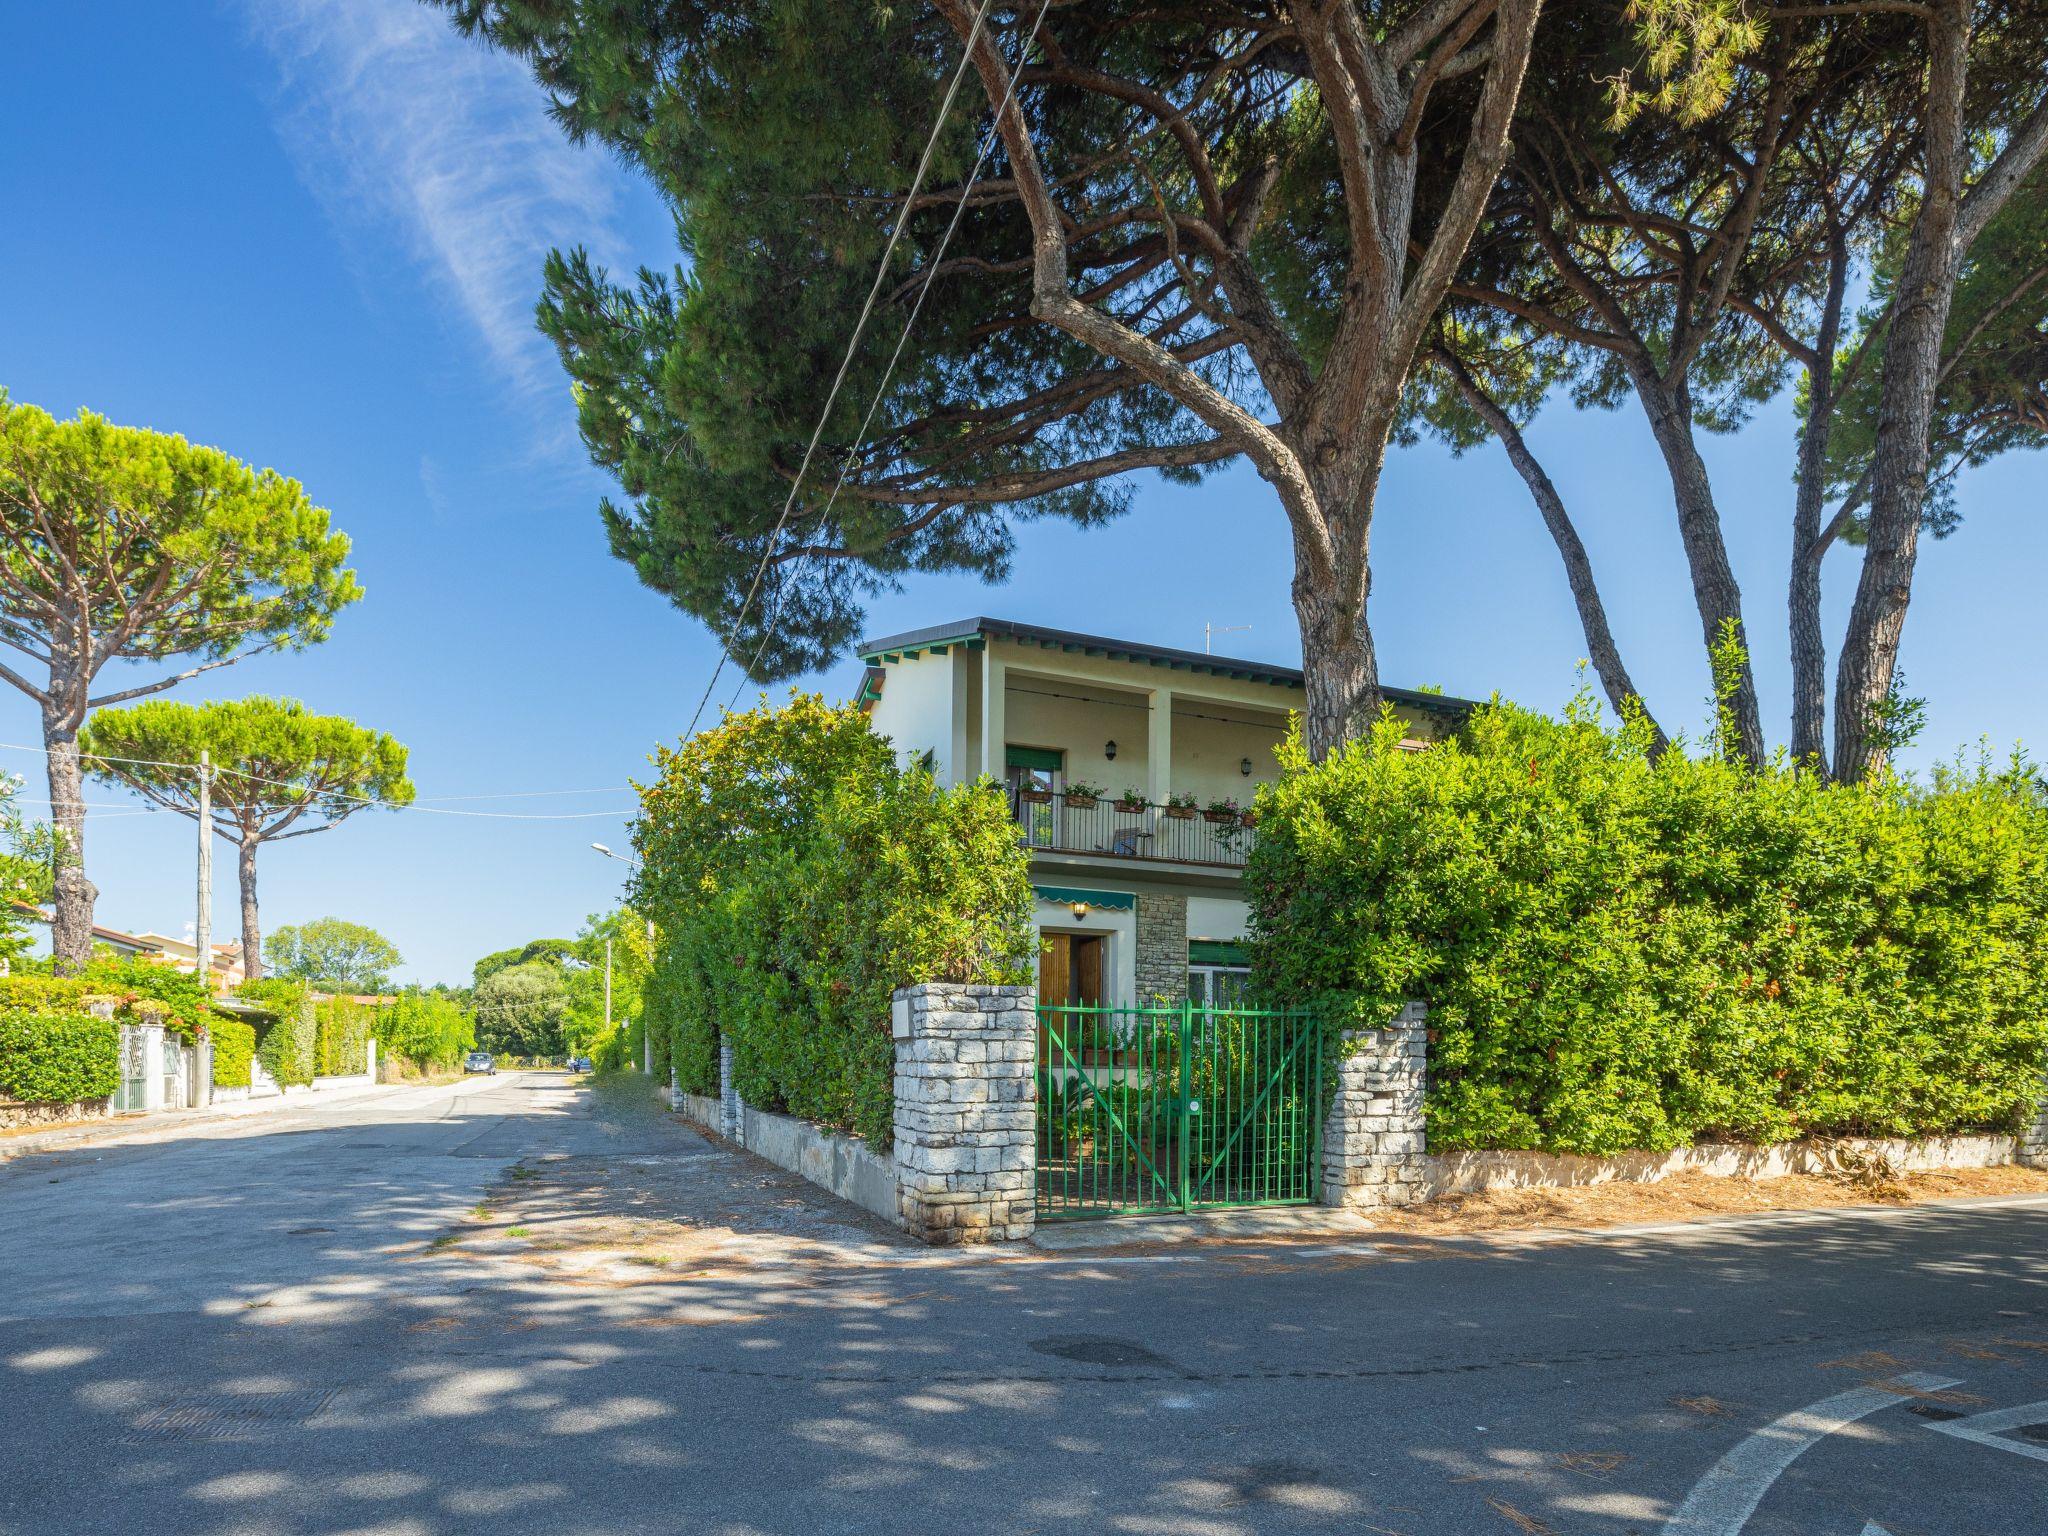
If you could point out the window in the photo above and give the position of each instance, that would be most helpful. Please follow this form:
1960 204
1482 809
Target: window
1035 770
1219 974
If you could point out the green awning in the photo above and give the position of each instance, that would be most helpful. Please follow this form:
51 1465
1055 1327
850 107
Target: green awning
1217 952
1039 759
1105 901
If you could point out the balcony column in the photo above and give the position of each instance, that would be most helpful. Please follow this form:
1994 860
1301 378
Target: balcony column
993 729
1159 747
957 769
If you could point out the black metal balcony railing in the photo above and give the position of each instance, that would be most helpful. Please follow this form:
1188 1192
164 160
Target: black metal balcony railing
1127 830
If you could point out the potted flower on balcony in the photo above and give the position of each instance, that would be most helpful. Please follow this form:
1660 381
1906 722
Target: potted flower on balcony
1180 805
1131 801
1222 812
1035 792
1082 796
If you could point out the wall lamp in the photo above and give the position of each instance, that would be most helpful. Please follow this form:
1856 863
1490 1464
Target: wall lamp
1109 750
1245 767
1080 911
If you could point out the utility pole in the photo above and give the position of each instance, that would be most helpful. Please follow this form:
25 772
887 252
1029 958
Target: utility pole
607 986
202 930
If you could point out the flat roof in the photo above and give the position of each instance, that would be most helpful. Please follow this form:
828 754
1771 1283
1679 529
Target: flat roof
974 631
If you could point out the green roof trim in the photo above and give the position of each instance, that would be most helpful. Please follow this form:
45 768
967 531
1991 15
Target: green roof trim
974 633
1217 952
1038 759
1067 895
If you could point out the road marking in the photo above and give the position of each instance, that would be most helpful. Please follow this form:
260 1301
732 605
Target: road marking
1721 1503
1872 1528
1989 1428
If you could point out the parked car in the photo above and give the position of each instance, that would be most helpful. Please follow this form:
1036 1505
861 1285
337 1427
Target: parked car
480 1061
579 1064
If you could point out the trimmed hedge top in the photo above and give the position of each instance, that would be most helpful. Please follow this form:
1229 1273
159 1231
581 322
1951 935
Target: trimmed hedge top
1621 954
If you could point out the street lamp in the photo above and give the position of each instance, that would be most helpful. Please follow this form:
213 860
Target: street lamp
646 1039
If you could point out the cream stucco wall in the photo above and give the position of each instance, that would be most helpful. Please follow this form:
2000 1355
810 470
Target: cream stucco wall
1076 704
1223 918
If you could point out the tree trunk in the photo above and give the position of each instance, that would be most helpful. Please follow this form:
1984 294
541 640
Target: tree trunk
71 928
1808 644
252 934
1912 371
1622 693
1340 672
1715 591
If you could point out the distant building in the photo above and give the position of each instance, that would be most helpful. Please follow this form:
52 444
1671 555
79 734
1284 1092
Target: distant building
181 954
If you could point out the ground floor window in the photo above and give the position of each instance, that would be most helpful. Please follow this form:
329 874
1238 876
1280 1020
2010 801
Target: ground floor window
1219 973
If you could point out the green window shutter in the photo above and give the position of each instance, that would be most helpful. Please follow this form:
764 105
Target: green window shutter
1039 759
1217 952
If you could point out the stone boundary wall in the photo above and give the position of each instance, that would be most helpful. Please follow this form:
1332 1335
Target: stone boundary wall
2033 1146
966 1111
1372 1137
15 1112
843 1165
1465 1173
965 1154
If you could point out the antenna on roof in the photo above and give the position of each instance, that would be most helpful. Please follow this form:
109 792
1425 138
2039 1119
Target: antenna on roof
1211 631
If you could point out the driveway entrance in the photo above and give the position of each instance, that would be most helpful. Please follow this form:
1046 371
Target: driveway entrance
1176 1108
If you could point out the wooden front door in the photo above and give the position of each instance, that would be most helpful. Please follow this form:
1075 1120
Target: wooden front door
1070 969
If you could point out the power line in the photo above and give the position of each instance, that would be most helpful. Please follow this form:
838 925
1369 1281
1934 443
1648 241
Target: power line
425 810
988 143
924 162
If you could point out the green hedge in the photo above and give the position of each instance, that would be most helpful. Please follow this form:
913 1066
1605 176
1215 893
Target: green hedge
137 988
798 876
234 1049
1618 954
341 1033
285 1028
57 1057
426 1029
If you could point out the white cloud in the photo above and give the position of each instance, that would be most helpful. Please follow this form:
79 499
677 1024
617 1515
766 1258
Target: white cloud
402 126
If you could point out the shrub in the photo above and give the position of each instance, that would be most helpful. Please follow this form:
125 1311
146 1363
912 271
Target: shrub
285 1028
427 1030
135 987
1620 954
341 1035
234 1049
49 1057
798 877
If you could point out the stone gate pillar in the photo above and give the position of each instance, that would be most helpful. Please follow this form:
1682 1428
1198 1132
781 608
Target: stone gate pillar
1373 1138
966 1111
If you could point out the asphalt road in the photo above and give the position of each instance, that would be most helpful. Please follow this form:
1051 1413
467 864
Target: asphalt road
253 1331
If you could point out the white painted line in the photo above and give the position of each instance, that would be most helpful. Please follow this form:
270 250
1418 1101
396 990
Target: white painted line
1721 1503
1989 1428
1872 1528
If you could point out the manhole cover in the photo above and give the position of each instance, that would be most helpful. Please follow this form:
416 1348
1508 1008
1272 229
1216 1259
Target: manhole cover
228 1416
1088 1349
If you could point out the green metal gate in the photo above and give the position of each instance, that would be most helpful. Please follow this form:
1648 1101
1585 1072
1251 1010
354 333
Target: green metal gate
1177 1108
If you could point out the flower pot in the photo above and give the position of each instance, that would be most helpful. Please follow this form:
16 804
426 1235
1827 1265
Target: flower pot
1178 812
1219 818
1131 807
1249 819
1080 802
1035 796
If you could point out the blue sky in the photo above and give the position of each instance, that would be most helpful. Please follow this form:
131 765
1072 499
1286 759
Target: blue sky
310 234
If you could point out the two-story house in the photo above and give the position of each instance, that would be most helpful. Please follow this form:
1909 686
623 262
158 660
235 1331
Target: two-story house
1130 770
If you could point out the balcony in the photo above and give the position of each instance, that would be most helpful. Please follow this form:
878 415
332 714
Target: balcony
1053 822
